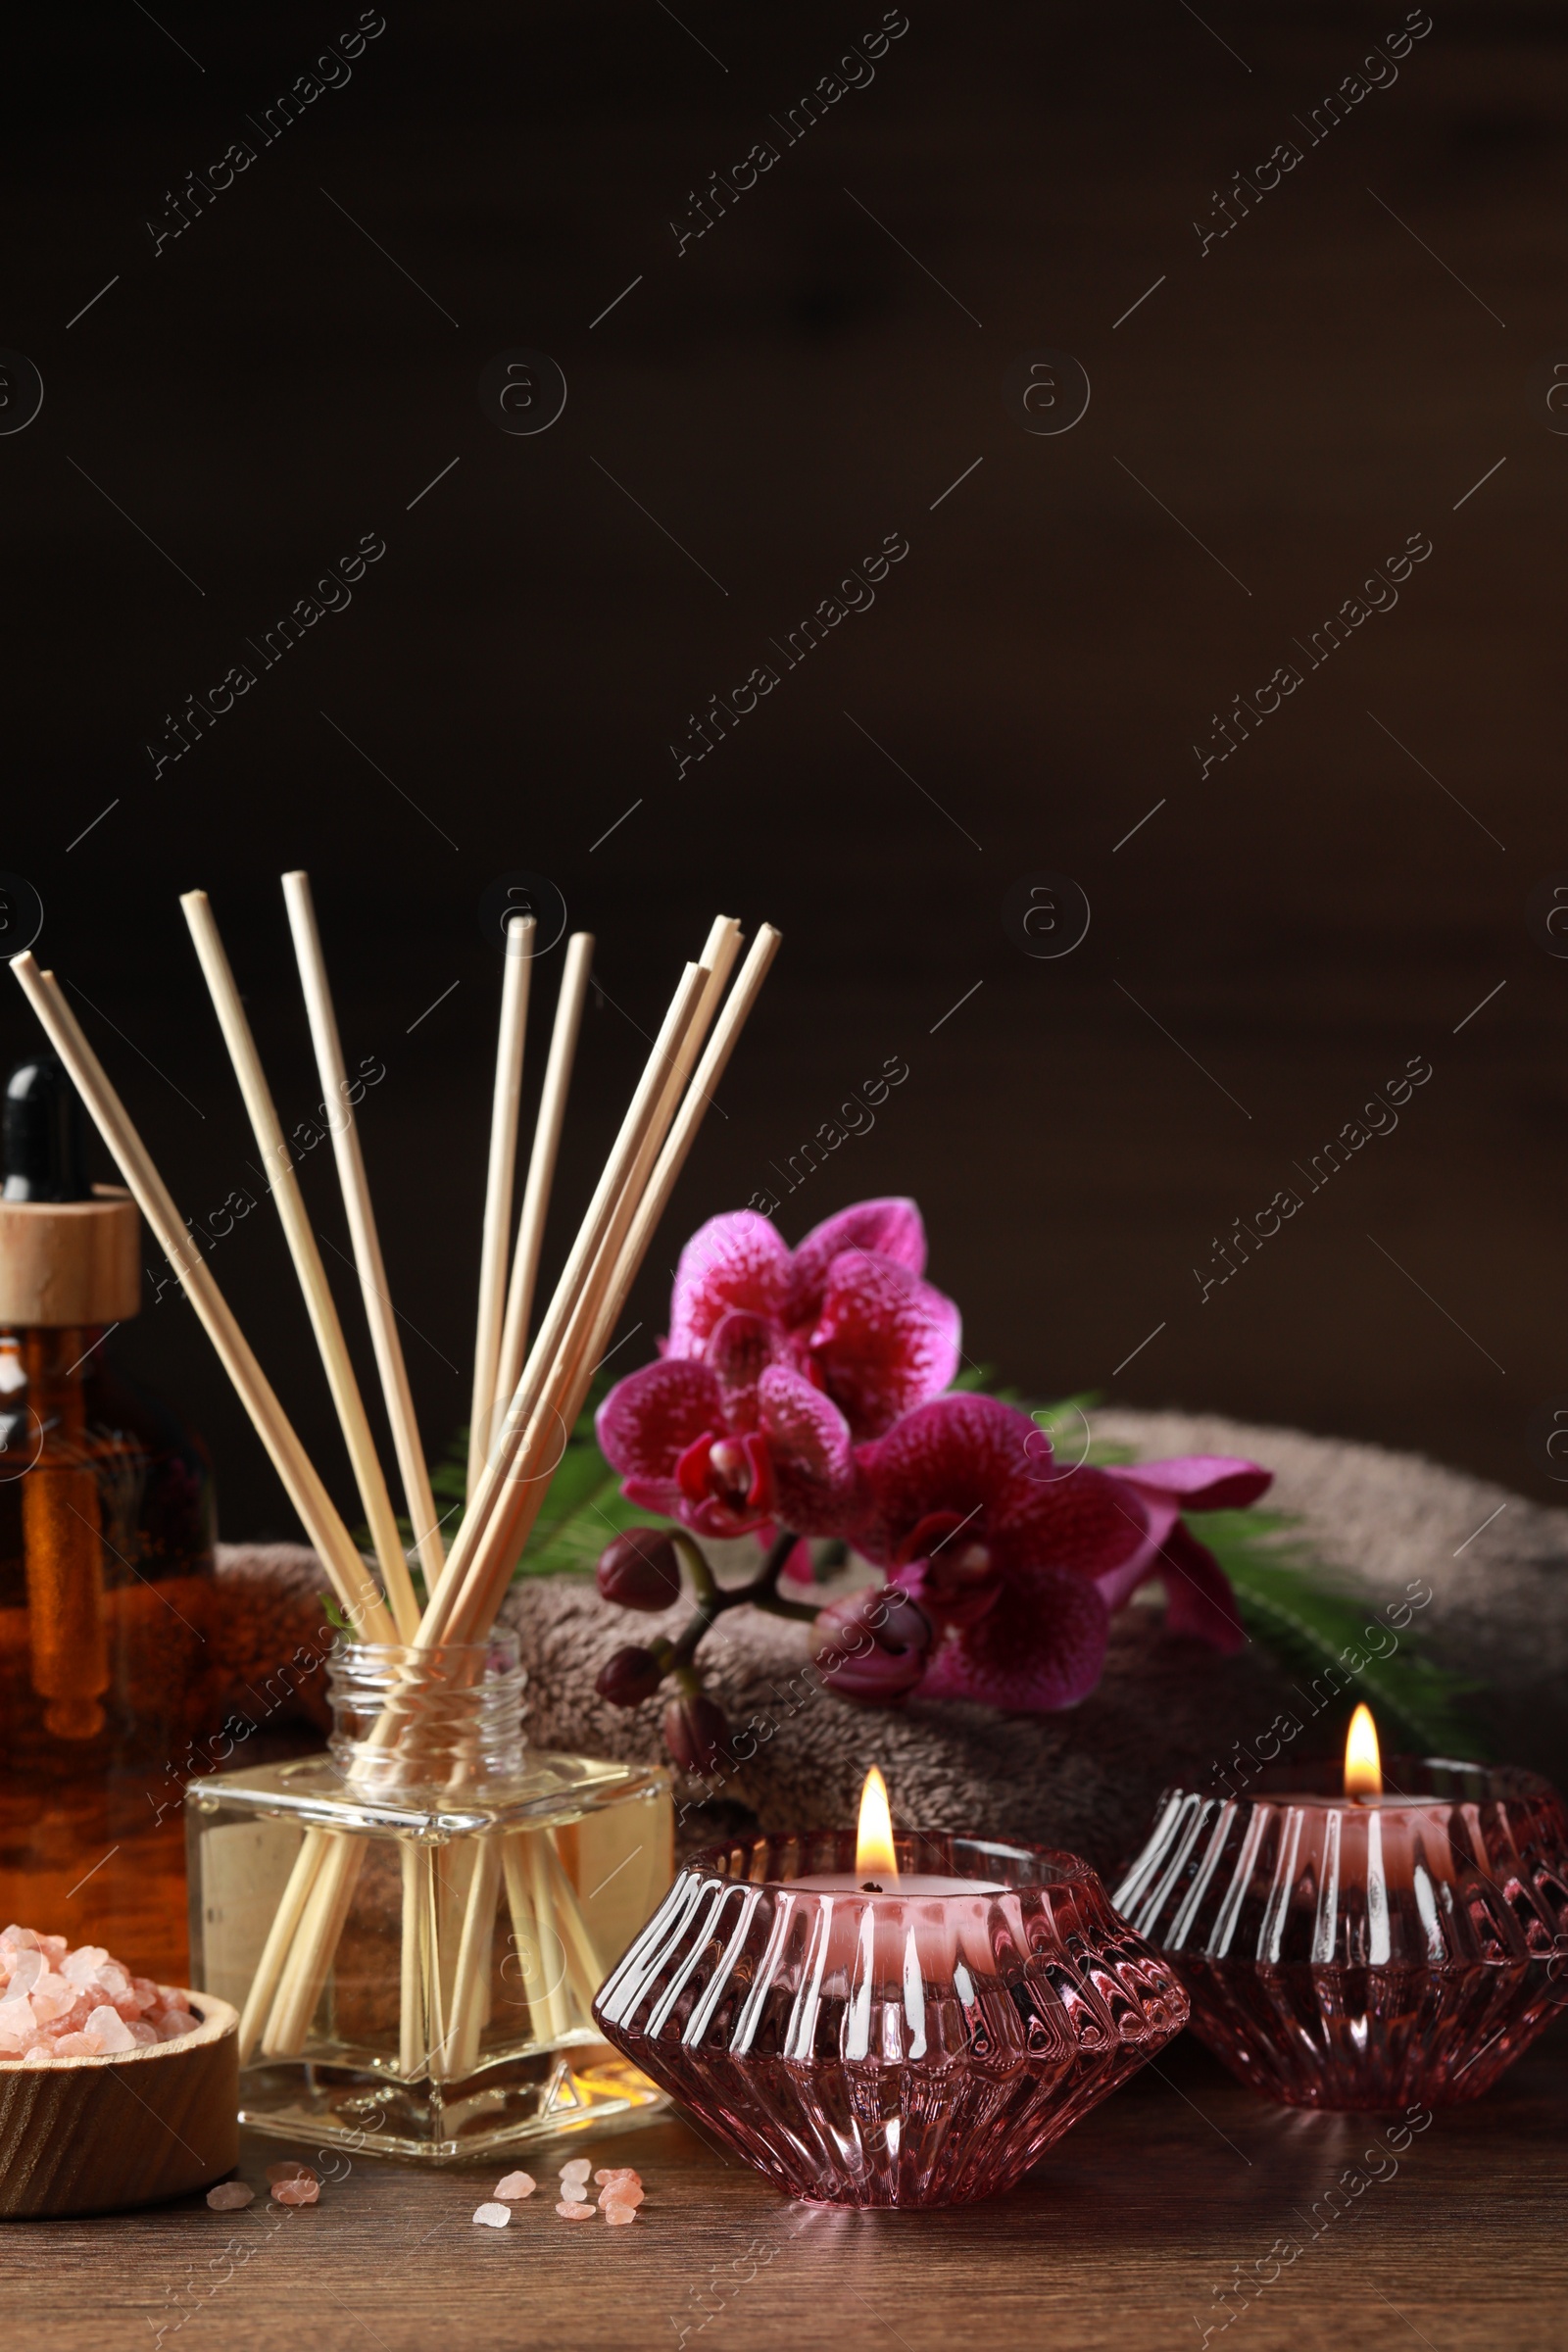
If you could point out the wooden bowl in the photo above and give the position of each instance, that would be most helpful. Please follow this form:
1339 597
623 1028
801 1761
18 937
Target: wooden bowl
128 2128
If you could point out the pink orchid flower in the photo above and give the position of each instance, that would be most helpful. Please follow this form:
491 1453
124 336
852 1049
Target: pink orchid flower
776 1362
727 1450
847 1309
1020 1562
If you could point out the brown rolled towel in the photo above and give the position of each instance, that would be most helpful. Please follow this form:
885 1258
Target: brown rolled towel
1087 1779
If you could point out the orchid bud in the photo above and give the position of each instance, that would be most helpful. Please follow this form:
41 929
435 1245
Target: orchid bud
630 1677
696 1732
641 1570
872 1647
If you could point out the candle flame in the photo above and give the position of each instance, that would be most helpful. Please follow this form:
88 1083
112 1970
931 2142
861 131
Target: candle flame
874 1857
1363 1766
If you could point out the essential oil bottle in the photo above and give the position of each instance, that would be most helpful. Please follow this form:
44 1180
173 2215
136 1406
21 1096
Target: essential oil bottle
106 1559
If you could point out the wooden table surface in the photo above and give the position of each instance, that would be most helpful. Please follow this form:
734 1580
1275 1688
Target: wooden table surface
1117 2243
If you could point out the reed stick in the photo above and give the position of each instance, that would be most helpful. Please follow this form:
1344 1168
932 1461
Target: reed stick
352 1582
483 1598
316 1939
534 1424
585 1970
705 1082
541 1175
414 2038
517 967
524 1930
514 1500
552 1964
470 1983
304 1969
279 1941
418 1497
284 1186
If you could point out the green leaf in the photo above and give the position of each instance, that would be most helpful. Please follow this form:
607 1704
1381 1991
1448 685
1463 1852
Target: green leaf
1289 1608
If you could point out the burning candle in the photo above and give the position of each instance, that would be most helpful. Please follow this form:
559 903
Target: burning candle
1358 1939
888 2033
876 1861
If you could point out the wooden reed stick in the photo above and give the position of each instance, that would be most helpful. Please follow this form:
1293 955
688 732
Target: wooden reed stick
535 1433
279 1942
689 1118
525 1933
541 1175
516 967
418 1497
435 1625
414 2040
284 1186
552 1999
582 1344
567 1324
486 1589
585 1971
471 1983
352 1582
321 1929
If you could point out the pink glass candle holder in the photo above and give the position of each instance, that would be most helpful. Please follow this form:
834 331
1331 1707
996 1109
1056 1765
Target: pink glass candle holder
913 2048
1363 1952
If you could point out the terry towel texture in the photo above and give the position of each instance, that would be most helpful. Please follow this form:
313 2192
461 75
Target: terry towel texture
1086 1780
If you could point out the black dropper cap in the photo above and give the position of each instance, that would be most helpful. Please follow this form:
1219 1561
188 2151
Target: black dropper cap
45 1134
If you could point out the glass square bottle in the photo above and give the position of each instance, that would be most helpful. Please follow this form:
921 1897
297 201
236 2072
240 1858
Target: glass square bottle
415 1924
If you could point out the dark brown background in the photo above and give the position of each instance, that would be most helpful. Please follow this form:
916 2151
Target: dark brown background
789 390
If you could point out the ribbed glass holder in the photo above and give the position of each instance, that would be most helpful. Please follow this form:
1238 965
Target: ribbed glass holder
902 2049
415 1924
1363 1952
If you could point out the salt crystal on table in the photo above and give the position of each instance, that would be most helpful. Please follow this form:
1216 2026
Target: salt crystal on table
618 2215
575 2213
494 2217
620 2192
300 2189
230 2195
577 2170
517 2184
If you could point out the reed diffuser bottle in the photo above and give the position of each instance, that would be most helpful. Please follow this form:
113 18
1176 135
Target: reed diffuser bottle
430 1854
469 1896
106 1558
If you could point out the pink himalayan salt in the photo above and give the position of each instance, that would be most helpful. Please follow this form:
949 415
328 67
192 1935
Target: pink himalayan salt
575 2212
619 2171
493 2216
230 2195
618 2215
60 2003
620 2192
515 2184
577 2167
300 2189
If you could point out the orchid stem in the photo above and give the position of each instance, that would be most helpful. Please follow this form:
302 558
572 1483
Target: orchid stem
714 1598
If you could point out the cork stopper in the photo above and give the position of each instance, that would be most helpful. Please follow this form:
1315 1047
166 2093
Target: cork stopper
69 1248
69 1261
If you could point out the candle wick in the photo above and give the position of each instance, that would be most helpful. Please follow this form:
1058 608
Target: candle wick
870 1887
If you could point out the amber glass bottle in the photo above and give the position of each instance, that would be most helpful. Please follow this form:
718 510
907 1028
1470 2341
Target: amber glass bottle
106 1563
